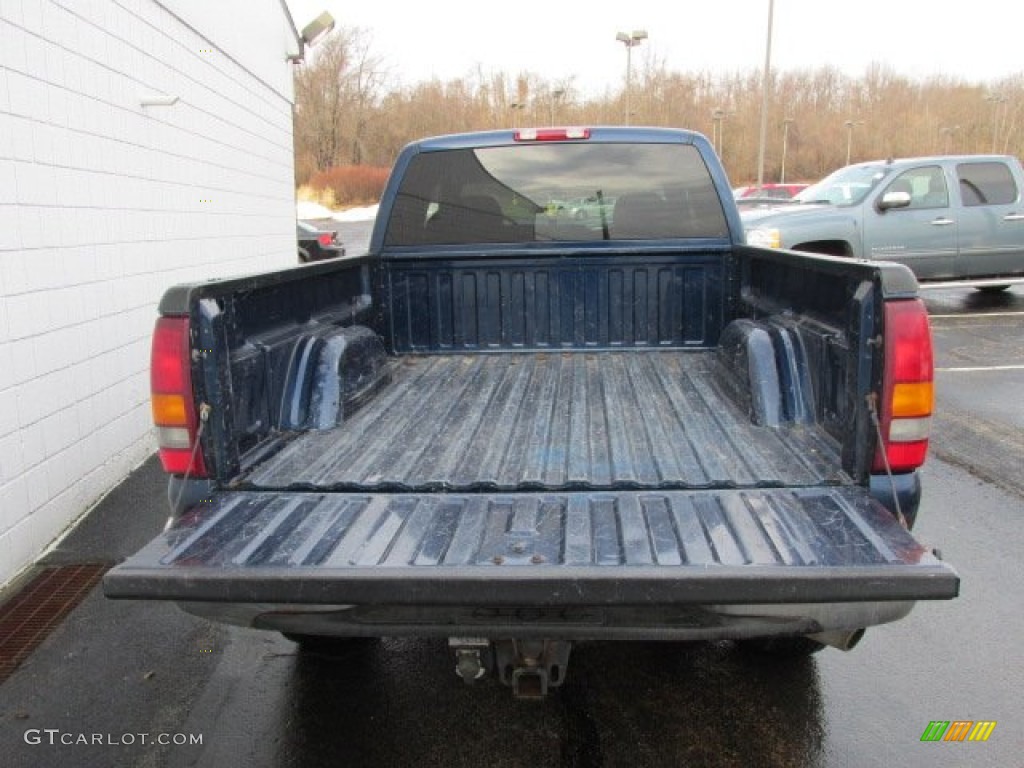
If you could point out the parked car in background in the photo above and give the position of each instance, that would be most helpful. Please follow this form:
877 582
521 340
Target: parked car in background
592 209
769 191
951 219
315 244
751 203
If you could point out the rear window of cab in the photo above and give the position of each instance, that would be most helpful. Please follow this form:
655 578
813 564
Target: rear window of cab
556 192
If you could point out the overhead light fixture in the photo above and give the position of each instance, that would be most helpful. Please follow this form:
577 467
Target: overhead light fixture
312 34
317 28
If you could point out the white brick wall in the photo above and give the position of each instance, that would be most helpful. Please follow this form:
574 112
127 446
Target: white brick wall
104 204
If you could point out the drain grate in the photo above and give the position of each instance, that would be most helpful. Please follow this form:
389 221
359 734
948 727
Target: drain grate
32 614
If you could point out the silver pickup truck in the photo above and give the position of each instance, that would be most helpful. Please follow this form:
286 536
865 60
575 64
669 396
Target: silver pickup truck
954 219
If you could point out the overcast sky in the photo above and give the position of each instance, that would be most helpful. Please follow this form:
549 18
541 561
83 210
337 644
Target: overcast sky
979 41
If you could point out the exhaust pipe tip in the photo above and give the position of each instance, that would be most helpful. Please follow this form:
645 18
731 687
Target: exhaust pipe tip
844 640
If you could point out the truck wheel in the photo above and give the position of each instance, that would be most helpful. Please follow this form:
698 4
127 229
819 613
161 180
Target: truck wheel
781 647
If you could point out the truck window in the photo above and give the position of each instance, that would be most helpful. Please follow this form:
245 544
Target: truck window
847 186
926 187
555 192
987 183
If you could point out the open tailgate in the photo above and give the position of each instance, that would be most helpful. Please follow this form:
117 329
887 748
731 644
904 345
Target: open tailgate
789 545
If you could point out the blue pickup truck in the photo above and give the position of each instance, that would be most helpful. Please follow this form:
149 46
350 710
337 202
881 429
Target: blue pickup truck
517 430
954 220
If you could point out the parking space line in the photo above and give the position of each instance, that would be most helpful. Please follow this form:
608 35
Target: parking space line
980 368
976 316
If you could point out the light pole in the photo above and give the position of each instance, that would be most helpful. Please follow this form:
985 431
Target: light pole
717 116
849 136
785 143
516 107
631 40
555 96
996 99
765 79
948 131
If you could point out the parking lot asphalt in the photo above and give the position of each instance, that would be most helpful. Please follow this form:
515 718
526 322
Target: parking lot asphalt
128 668
979 352
138 671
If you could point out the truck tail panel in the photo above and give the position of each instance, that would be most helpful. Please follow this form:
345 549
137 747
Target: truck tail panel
633 548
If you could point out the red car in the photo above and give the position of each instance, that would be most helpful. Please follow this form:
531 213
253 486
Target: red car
316 244
773 191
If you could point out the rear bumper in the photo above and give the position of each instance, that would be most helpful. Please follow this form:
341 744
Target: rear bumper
708 622
650 551
899 492
546 587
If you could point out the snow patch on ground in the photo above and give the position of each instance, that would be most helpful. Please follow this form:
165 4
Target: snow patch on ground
367 213
304 209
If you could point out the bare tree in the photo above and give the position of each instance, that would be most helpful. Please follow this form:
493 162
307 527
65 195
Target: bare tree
335 94
346 114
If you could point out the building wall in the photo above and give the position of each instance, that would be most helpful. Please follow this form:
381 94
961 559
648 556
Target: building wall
103 204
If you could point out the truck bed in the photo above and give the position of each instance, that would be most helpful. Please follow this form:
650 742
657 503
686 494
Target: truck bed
553 421
608 479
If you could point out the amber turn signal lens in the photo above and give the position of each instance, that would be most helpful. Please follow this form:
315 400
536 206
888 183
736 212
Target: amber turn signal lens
169 410
913 399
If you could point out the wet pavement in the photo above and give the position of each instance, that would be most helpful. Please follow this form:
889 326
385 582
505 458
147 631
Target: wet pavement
149 672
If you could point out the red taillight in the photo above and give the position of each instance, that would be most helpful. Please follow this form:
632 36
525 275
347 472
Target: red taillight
552 134
174 411
908 393
325 238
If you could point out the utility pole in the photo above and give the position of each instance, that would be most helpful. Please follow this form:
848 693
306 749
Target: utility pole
765 83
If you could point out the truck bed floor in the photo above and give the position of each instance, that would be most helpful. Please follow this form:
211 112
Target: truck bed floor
553 421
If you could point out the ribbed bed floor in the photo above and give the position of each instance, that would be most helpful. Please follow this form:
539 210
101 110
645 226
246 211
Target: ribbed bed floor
602 420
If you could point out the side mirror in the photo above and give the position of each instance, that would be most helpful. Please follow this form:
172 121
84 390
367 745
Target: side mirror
892 200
